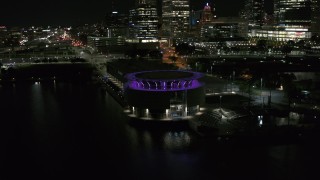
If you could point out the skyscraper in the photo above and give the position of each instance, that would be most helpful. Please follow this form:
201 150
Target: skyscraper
293 12
150 2
143 21
175 18
294 20
254 12
207 14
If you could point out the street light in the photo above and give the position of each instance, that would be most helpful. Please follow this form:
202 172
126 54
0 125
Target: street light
233 74
261 93
220 102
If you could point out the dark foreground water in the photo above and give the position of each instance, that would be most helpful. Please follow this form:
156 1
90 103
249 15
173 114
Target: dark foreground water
76 131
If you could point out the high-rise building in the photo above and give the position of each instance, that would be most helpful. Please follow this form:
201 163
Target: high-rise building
150 2
294 20
207 14
254 12
115 24
315 24
144 22
297 13
175 18
293 12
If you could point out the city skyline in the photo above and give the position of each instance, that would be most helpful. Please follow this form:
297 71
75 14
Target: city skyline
34 12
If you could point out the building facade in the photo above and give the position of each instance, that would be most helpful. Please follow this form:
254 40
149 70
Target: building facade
144 23
254 12
175 18
294 20
224 27
167 94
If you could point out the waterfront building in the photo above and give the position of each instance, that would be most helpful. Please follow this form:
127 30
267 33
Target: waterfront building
167 94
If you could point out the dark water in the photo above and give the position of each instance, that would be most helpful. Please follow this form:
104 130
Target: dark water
76 131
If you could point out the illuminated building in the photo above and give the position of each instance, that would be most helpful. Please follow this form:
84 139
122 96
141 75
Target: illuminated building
295 20
302 13
207 14
167 94
175 18
254 12
282 33
3 35
224 27
293 12
150 2
143 23
116 24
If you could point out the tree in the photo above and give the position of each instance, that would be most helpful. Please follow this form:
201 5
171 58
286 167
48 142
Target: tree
173 59
289 87
315 39
185 49
262 45
286 49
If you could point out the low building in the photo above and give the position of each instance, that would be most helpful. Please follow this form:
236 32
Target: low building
164 94
282 33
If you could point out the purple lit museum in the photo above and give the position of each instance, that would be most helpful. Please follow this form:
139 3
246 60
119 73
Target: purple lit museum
164 94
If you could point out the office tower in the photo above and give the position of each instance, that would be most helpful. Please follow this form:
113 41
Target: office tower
293 12
116 24
143 22
175 18
254 12
294 20
315 23
150 2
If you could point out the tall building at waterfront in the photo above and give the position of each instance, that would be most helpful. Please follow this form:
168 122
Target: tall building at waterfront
175 18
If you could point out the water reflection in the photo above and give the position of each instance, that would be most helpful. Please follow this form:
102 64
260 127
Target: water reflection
168 139
177 140
74 130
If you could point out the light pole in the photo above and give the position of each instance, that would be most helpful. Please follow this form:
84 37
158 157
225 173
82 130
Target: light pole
233 74
220 102
261 93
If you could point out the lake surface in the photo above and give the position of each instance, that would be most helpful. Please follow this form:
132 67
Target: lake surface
58 130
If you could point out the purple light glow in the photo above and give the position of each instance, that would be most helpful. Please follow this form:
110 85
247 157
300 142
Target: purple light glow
187 80
168 87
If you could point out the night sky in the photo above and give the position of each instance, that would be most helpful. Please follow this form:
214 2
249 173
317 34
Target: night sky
77 12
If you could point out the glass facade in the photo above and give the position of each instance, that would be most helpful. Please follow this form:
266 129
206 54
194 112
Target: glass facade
254 12
143 22
175 17
294 12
